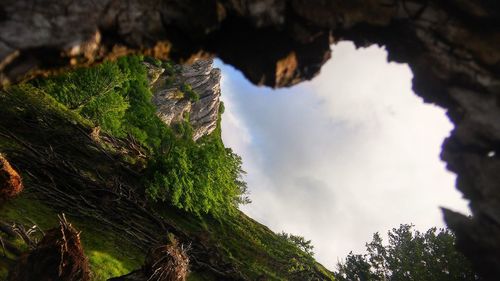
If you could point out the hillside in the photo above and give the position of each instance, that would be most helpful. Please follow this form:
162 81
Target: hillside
100 151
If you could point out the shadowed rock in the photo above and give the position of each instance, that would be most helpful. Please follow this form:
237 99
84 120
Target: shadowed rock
485 244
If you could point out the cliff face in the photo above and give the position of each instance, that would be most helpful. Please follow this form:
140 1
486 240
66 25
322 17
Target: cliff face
173 105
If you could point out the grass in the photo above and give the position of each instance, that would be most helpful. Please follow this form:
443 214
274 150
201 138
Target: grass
251 247
104 265
108 253
248 246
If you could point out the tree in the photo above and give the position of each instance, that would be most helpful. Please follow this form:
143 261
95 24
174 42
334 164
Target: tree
377 260
299 241
410 255
355 268
95 93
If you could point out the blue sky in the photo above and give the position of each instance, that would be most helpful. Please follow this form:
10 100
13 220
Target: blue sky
350 153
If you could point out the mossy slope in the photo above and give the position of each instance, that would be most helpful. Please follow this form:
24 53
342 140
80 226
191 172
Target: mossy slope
97 183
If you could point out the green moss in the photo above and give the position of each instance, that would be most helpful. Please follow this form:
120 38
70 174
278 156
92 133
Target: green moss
27 97
170 68
251 247
3 272
105 266
189 93
27 210
109 254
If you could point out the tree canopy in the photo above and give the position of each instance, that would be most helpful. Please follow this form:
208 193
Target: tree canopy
298 241
409 255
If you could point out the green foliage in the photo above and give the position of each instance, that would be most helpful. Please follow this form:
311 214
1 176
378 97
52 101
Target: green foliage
114 96
252 248
248 247
189 93
94 93
105 258
355 267
104 266
169 67
410 255
202 177
199 177
222 108
298 241
153 61
140 119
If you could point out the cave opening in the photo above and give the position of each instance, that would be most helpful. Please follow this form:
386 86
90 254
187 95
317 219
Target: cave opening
351 153
451 46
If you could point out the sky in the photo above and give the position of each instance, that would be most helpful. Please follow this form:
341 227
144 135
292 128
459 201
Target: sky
336 159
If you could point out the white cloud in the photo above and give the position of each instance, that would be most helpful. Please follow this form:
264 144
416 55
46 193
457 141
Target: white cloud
339 158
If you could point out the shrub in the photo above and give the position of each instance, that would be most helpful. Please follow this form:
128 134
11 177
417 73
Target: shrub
200 178
170 68
95 93
153 61
189 93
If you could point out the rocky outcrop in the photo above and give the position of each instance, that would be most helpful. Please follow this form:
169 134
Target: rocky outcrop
154 72
10 181
171 96
205 82
58 256
451 47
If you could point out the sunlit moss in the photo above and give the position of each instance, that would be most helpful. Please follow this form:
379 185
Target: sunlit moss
105 266
108 253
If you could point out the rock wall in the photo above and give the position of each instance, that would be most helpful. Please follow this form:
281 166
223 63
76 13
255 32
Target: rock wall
173 106
205 81
451 47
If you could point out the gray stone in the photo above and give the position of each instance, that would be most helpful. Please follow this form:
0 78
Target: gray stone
173 106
